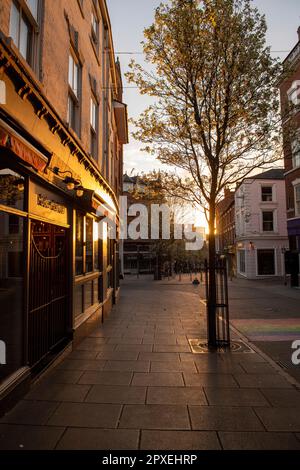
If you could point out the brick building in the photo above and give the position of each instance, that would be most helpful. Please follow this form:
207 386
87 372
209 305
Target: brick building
62 129
290 107
225 222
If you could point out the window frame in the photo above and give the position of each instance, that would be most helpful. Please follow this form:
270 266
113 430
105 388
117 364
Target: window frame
74 95
264 222
242 260
32 23
295 150
263 187
258 252
94 127
297 201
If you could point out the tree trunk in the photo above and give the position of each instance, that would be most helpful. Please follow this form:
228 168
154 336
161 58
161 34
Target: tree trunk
212 293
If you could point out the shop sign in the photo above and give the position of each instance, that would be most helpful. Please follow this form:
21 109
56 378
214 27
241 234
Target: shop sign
47 205
42 200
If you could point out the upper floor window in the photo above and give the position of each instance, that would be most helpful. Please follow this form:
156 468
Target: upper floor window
94 127
23 29
294 93
268 221
267 193
296 152
297 199
95 28
74 93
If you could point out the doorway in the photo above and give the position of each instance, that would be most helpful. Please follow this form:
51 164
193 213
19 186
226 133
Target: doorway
48 291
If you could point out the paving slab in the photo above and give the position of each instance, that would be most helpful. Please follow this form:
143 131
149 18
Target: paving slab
169 366
167 379
220 418
58 392
30 412
279 419
235 397
80 365
99 439
118 355
21 437
178 440
89 415
106 378
209 380
155 417
258 441
283 397
262 381
176 396
116 394
131 366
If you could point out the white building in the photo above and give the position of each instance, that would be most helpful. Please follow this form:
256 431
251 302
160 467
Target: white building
261 229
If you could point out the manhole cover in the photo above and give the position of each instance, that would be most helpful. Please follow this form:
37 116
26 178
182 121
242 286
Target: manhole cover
200 346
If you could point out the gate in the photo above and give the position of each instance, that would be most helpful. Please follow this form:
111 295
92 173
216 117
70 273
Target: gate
48 290
221 306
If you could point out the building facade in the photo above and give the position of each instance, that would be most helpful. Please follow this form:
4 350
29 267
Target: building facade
225 230
62 129
260 224
138 256
290 108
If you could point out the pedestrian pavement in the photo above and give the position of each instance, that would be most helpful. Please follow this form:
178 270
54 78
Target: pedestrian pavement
135 384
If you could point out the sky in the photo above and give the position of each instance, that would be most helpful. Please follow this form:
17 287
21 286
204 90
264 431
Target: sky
130 17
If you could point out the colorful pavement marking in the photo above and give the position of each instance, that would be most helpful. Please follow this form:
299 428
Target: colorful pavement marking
287 329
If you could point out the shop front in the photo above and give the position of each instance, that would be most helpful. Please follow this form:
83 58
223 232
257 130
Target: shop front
35 282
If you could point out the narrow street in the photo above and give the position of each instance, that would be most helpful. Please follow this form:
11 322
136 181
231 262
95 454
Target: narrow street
135 384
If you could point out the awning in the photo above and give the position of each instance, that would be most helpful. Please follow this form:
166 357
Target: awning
121 120
11 140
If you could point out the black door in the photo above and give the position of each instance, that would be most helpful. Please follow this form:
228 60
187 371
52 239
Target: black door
48 290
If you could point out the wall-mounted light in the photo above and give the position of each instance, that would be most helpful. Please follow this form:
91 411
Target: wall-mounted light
19 183
71 183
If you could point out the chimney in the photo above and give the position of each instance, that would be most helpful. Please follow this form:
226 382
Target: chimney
298 31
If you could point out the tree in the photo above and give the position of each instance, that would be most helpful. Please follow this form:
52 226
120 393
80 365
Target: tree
215 118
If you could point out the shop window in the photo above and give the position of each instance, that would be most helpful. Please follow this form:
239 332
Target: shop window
12 188
78 300
88 295
265 262
73 116
268 221
89 244
24 17
267 193
11 295
242 261
79 244
97 247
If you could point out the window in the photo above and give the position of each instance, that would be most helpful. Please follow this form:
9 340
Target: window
11 189
74 94
89 244
268 221
297 199
267 193
79 244
94 128
24 29
11 293
265 263
95 29
13 224
242 261
296 152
